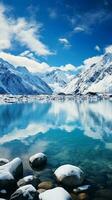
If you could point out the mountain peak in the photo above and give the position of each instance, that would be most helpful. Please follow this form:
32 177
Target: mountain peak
95 78
20 81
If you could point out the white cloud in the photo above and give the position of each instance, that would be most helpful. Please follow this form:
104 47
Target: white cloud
79 29
97 48
65 42
5 30
90 61
108 49
30 64
28 54
68 67
34 65
86 22
27 33
25 53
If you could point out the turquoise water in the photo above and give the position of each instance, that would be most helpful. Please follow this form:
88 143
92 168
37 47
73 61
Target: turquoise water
68 132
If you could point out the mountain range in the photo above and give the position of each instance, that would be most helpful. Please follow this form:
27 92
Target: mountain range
20 81
57 79
95 78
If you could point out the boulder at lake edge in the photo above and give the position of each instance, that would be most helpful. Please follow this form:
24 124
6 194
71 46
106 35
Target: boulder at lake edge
33 180
15 167
27 192
38 161
57 193
69 175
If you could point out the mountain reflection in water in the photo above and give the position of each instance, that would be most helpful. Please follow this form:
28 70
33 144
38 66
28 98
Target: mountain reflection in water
68 132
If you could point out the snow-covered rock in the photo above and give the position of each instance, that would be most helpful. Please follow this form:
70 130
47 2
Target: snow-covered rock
27 192
33 180
38 160
95 78
9 174
3 161
69 175
57 193
6 179
41 190
15 168
7 183
20 81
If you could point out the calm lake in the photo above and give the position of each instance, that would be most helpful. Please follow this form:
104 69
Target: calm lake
78 133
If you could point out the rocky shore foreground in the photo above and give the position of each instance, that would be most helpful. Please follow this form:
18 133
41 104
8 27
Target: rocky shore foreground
67 182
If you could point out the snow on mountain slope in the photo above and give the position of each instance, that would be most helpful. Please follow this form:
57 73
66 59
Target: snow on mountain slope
20 81
56 79
104 85
34 81
95 78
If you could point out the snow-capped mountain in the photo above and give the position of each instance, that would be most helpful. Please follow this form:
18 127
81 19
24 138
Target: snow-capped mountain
96 78
56 79
20 81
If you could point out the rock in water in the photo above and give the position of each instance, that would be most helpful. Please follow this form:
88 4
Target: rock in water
57 193
33 180
46 185
38 161
27 192
9 174
69 175
6 179
15 168
3 161
7 183
83 196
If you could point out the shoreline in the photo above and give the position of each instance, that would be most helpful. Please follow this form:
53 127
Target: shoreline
66 179
4 99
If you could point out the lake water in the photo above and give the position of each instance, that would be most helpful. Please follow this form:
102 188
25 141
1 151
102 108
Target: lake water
78 133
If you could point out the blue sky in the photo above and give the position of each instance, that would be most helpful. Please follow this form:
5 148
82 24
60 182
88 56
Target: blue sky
55 33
